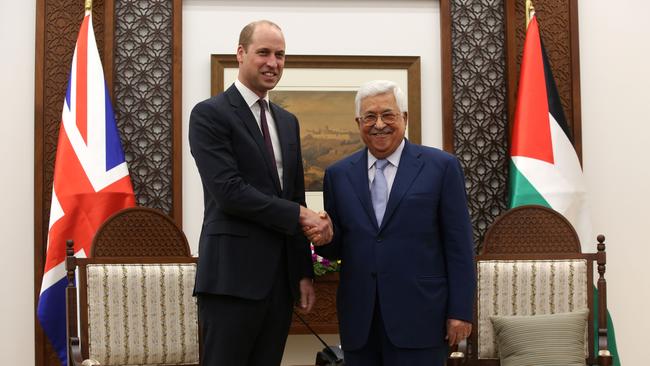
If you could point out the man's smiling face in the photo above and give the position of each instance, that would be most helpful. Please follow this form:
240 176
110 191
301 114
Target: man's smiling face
262 61
382 139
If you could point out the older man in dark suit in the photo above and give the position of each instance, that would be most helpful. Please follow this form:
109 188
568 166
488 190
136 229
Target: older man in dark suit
254 260
403 233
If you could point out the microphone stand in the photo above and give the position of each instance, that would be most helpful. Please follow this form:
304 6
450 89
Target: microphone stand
330 355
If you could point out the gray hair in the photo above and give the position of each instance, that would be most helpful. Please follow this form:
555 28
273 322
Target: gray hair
376 87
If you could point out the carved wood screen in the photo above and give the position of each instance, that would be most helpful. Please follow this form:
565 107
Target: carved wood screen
140 44
474 106
482 41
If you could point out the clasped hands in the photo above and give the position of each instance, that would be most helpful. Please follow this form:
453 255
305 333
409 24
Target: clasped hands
317 226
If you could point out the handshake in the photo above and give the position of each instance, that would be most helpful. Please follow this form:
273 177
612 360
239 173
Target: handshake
317 226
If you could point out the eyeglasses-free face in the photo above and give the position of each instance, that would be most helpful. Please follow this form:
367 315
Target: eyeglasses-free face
262 62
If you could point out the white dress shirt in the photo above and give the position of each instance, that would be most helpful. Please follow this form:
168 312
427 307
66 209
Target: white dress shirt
391 168
251 99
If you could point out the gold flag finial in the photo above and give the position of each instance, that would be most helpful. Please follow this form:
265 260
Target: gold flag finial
530 11
88 5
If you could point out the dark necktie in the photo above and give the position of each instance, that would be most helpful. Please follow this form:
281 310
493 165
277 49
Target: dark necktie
379 190
266 134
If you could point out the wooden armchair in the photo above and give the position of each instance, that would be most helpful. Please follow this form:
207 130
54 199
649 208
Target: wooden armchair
531 266
135 294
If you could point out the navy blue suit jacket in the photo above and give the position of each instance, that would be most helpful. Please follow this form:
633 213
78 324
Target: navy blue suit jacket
250 225
418 264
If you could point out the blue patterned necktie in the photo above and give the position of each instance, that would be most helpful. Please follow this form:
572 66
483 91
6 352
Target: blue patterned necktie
379 190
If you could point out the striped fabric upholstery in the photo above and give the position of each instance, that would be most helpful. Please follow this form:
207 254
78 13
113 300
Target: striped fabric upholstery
527 287
142 314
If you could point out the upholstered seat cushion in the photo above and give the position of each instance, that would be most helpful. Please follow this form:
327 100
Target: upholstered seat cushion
142 314
527 287
541 340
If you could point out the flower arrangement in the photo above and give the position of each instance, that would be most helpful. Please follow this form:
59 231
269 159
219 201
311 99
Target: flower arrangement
323 265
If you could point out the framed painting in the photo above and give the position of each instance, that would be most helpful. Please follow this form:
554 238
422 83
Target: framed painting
320 91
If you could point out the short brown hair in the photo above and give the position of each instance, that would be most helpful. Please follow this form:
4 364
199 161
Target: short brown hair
246 34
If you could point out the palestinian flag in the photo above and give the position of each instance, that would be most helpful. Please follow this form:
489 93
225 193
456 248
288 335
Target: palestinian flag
544 167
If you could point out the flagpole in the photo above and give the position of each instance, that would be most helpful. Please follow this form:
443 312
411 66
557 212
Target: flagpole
530 11
88 5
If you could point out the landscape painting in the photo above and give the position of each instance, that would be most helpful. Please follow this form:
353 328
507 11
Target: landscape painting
328 130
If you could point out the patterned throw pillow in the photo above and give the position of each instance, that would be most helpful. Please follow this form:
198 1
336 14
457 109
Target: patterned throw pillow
541 340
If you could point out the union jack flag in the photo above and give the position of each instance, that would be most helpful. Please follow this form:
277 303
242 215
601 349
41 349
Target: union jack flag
91 179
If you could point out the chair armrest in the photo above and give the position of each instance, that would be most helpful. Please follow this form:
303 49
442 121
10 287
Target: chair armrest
75 351
90 362
458 354
605 358
75 354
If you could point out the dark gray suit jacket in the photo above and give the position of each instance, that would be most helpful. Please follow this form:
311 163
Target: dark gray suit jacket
250 225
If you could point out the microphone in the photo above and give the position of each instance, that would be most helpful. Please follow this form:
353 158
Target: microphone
330 355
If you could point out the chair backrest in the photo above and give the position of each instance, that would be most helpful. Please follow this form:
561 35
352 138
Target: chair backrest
531 229
531 264
139 232
135 294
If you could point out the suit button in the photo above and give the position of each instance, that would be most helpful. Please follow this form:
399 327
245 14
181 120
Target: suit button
379 239
373 274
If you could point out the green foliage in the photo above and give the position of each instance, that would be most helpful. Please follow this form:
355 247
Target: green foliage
321 268
323 265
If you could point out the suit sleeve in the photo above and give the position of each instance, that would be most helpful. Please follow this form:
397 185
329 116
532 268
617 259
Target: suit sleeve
332 250
210 136
456 231
301 241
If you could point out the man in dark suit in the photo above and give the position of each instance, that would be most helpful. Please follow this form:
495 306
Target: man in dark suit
403 233
254 260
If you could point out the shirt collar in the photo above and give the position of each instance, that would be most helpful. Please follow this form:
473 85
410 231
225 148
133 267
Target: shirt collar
249 96
392 158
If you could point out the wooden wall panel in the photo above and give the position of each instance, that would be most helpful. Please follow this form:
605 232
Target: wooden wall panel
143 79
474 103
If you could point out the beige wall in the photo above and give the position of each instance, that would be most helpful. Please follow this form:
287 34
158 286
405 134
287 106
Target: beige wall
614 53
411 29
17 22
212 27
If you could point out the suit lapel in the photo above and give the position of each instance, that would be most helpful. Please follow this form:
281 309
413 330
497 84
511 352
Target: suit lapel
243 111
358 176
409 168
